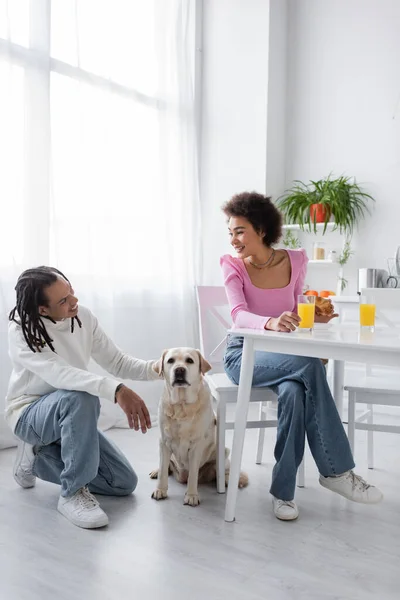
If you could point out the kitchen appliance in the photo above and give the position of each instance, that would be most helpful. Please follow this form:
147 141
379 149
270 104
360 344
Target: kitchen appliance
393 281
372 278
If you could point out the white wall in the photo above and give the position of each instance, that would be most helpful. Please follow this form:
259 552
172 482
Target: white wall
344 108
234 114
299 93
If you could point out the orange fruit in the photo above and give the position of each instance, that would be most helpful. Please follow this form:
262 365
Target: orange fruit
311 293
326 293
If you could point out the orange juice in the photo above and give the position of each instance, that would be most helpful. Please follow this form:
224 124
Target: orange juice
306 313
367 315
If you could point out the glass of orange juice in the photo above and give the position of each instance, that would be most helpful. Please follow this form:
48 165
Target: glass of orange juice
367 312
306 312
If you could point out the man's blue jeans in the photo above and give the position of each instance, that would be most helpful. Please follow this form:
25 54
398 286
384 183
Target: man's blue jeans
69 449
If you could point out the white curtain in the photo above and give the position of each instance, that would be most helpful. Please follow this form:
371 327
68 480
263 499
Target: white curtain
98 165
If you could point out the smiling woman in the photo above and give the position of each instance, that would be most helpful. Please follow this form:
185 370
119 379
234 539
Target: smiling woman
260 212
263 286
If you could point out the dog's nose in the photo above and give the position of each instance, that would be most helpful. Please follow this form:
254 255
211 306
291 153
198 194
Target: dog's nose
180 372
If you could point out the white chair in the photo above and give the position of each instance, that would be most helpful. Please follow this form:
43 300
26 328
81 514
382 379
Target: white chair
381 388
214 321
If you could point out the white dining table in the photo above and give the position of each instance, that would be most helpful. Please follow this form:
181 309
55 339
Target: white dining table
340 342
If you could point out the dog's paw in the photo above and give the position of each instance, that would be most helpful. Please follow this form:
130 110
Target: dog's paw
159 494
191 499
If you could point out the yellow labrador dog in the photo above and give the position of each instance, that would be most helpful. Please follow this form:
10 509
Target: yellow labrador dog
187 425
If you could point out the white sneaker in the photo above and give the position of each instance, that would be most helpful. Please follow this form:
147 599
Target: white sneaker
23 464
353 487
83 510
285 510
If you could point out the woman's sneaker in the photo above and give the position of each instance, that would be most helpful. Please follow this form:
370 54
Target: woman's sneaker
23 464
353 487
285 510
83 510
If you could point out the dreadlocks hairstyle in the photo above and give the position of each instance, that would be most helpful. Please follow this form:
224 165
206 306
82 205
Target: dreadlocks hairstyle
30 290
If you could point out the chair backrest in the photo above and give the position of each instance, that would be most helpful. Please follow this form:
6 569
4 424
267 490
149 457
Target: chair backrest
387 305
214 320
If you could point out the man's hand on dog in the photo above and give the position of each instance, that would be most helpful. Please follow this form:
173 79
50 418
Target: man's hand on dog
134 408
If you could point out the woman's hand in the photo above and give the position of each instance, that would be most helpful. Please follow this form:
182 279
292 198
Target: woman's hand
287 322
324 311
325 318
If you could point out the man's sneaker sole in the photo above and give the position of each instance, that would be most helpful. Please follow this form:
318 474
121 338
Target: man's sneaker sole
99 522
23 482
24 478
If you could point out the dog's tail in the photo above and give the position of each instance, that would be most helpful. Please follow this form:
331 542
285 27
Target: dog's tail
243 480
243 477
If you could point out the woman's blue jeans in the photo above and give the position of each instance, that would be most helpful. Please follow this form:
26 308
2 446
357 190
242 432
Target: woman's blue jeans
305 406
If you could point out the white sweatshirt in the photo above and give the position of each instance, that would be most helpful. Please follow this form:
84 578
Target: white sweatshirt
35 374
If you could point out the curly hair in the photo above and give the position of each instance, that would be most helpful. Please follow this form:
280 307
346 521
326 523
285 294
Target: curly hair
260 211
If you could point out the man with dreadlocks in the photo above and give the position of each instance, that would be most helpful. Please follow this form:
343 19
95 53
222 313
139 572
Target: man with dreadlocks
53 402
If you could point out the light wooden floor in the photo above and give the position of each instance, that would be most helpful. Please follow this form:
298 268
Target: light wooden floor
336 549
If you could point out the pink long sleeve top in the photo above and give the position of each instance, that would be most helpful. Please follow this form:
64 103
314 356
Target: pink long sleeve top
252 307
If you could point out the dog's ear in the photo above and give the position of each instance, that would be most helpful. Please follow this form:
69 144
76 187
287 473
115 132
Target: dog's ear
204 364
158 366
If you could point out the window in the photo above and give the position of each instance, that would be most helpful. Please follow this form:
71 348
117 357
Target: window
96 115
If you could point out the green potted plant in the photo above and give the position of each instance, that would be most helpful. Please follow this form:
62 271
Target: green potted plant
340 199
291 241
344 257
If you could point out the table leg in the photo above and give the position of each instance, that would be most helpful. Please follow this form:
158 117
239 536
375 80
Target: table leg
242 407
338 383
